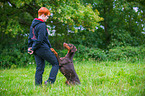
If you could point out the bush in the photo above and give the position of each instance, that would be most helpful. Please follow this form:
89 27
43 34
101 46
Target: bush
14 54
86 53
118 53
97 54
62 53
14 58
127 53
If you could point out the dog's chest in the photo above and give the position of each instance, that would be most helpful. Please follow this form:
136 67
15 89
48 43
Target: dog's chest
65 60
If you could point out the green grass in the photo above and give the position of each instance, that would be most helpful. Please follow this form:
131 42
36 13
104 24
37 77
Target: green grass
97 79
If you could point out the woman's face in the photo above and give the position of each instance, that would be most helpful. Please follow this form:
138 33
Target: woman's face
45 17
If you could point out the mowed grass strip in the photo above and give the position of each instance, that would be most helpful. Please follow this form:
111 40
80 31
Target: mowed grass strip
97 78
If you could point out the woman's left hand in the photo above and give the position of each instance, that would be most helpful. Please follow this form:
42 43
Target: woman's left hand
30 51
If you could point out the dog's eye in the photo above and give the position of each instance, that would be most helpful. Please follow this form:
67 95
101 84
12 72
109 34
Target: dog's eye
70 45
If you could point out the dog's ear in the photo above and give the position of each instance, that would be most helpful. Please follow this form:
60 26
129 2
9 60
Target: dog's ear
73 49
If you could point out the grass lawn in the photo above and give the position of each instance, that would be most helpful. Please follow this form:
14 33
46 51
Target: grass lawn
97 79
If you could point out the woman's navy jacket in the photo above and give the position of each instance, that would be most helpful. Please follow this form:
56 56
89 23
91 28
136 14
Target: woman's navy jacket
38 36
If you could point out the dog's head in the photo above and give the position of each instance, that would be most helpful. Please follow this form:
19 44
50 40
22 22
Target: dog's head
70 47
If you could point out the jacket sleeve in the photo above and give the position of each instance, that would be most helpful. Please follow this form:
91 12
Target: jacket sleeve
48 41
49 44
30 42
41 34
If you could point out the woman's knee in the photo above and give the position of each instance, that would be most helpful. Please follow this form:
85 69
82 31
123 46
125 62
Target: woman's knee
55 63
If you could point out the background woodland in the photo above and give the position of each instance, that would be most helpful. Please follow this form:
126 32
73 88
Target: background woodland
100 29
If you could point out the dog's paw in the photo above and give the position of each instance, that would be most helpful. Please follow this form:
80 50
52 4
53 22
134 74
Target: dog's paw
53 51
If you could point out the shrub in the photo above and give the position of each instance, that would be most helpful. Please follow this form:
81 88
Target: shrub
86 53
62 53
14 58
17 56
97 54
118 53
127 53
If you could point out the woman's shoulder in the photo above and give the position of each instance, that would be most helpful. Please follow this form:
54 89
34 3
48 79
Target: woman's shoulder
41 25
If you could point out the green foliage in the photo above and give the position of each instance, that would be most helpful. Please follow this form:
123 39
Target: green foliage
72 13
20 3
121 27
93 40
12 28
124 38
97 54
76 14
15 55
122 24
86 53
128 53
14 21
11 58
62 53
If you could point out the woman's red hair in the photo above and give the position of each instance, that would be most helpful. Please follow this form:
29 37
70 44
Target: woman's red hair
43 10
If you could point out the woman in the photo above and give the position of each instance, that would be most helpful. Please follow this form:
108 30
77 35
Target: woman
39 45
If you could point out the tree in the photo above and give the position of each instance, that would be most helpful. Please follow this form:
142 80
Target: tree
17 16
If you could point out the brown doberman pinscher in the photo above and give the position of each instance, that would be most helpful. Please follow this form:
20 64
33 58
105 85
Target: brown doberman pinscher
66 65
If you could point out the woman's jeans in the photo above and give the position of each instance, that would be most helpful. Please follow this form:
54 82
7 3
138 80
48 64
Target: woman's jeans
41 55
